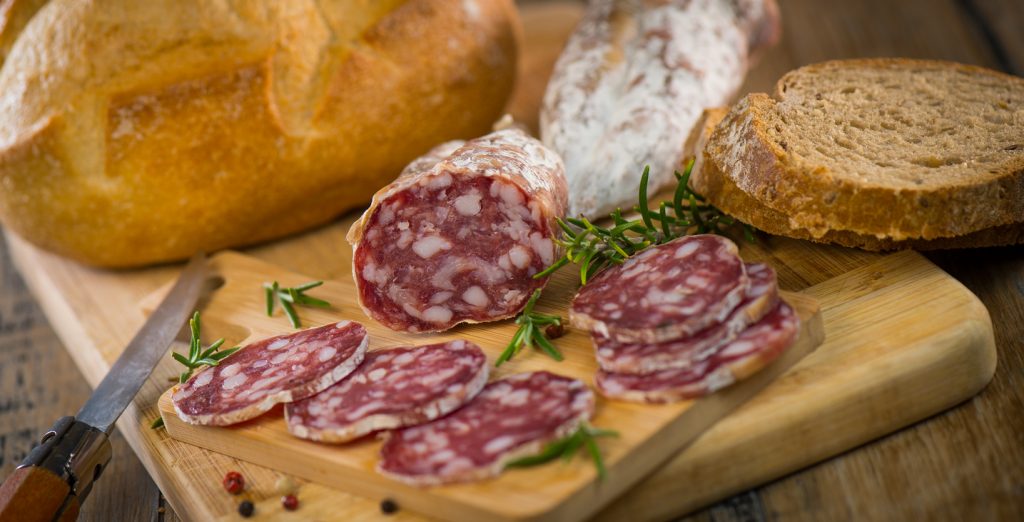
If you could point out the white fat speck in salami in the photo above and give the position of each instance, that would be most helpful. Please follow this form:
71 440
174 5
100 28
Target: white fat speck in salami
272 371
751 351
393 388
476 441
641 301
633 79
761 297
460 234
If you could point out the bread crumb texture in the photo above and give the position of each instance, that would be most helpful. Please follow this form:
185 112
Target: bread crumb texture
890 149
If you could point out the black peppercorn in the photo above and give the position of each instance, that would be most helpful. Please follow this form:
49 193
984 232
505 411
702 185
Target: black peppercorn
388 506
246 508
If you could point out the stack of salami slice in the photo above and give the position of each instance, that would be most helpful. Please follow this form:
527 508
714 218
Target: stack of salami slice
682 320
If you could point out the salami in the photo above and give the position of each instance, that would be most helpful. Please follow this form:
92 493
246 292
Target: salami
666 292
511 418
751 351
634 78
460 234
760 298
392 388
279 369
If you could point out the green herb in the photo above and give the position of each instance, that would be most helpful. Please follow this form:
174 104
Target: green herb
197 357
531 332
595 248
289 297
157 423
586 436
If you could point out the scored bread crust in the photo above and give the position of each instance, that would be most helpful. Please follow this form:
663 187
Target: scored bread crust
818 203
719 189
138 135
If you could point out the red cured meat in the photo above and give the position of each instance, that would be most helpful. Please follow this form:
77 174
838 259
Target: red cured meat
761 297
666 292
757 346
392 389
279 369
460 234
511 418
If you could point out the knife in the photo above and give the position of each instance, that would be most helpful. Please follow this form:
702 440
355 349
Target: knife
58 474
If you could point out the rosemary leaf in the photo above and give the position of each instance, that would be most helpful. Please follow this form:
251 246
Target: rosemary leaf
291 297
531 333
566 447
197 357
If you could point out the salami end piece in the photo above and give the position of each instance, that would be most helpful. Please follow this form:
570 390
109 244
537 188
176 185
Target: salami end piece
666 292
511 418
460 234
280 369
393 388
761 298
757 346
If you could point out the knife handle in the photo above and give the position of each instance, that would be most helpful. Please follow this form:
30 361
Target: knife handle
57 475
34 493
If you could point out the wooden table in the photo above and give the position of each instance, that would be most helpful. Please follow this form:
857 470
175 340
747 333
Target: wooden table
967 463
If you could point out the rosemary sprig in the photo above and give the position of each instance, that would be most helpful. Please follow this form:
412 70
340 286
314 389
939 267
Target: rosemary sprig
289 297
197 357
595 248
586 436
531 332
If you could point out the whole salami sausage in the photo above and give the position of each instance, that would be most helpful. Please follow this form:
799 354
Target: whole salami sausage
665 292
460 234
392 388
511 418
633 80
751 351
761 297
280 369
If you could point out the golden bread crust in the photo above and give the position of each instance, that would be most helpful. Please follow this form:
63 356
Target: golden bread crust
231 126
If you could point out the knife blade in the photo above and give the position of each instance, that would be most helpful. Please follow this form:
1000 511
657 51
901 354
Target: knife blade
58 474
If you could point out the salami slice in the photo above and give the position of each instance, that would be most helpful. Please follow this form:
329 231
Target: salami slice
279 369
666 292
761 297
511 418
460 234
751 351
392 389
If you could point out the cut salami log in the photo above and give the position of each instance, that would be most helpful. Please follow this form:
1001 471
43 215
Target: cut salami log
511 418
460 234
392 388
761 297
751 351
633 80
280 369
664 293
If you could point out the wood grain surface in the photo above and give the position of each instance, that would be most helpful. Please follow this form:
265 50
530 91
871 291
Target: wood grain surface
648 434
967 463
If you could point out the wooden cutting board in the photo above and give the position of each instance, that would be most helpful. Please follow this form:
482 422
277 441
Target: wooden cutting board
904 341
648 434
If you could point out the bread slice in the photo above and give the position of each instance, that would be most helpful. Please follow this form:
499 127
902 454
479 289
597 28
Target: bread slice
708 181
891 149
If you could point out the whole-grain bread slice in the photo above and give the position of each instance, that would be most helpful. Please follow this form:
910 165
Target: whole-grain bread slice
719 189
890 149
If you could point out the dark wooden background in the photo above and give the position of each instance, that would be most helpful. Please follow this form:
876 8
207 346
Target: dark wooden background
964 464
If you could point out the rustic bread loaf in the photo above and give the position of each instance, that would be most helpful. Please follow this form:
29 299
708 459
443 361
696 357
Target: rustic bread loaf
708 181
140 132
891 149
